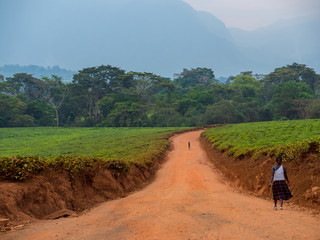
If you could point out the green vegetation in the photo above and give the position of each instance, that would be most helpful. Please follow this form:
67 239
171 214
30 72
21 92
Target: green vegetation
26 151
108 96
288 138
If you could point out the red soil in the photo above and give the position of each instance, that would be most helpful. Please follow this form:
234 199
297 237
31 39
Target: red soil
187 200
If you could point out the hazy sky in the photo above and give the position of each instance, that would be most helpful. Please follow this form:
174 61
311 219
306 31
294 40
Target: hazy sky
251 14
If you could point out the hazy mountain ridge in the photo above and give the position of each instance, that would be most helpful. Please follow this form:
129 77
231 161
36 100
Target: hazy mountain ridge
159 36
156 36
285 41
37 71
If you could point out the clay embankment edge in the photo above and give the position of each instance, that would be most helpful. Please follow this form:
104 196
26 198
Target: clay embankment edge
253 175
51 192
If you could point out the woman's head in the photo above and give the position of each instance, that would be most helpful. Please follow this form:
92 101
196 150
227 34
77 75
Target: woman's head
279 159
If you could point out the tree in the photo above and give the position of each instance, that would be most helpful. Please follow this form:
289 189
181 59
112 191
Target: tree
2 84
247 85
293 73
197 97
247 101
54 92
145 84
190 78
310 77
250 110
222 92
125 114
93 83
185 103
313 109
288 99
108 102
26 84
13 112
191 118
163 90
281 75
110 96
246 73
223 112
165 117
42 113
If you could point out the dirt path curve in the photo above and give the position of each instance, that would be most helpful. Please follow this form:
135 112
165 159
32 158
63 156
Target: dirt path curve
187 200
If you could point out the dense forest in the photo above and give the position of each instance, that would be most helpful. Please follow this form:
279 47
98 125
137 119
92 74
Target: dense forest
108 96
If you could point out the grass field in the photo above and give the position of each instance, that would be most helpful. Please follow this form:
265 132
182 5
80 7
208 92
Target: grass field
106 143
289 138
27 149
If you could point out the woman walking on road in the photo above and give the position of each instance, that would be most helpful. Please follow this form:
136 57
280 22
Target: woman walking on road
280 189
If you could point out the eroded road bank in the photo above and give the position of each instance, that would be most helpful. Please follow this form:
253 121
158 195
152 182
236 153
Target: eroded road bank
187 200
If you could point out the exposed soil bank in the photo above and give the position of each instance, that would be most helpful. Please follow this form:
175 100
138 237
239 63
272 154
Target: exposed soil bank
53 191
187 200
51 194
254 175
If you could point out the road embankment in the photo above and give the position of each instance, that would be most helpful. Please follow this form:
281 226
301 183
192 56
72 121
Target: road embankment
56 191
253 175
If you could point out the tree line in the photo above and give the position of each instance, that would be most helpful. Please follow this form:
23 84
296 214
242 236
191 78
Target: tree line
108 96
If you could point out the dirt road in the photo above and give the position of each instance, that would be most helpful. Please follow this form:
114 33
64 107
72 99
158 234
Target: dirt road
187 200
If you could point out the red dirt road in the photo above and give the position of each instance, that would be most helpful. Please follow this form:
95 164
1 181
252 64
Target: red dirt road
187 200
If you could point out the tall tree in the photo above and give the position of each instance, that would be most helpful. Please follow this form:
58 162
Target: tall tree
312 79
293 73
281 75
190 78
126 114
13 112
42 112
313 109
146 85
26 84
2 84
165 117
289 100
223 112
93 83
55 92
247 85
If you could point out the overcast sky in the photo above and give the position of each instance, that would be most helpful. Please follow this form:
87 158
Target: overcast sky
252 14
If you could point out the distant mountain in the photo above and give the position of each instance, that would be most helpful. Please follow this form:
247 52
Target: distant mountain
159 36
284 42
37 71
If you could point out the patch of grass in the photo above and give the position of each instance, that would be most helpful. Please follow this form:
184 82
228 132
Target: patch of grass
288 138
26 151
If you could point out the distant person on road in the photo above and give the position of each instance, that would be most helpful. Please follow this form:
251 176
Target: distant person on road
189 145
280 189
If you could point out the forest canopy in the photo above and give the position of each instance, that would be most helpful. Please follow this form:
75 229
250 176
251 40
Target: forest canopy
108 96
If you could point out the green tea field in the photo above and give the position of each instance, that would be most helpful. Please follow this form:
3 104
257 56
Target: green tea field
289 138
106 143
24 151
